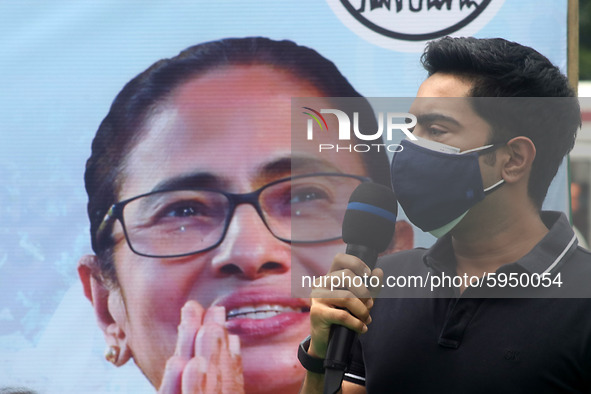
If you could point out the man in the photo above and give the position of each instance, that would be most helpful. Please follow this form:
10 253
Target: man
483 196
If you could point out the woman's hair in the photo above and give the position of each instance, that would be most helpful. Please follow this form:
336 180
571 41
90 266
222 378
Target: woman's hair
121 129
16 390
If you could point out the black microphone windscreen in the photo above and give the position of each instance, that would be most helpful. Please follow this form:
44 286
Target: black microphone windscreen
370 218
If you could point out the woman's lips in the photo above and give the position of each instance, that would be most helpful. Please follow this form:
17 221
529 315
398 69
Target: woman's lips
252 330
258 313
264 311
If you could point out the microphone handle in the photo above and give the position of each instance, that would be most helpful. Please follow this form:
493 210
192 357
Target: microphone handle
340 342
366 254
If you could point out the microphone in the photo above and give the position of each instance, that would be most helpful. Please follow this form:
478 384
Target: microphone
368 229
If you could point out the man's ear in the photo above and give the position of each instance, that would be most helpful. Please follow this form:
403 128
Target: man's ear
521 154
403 238
108 305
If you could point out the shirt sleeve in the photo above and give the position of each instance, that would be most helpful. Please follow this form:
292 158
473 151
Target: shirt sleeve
356 371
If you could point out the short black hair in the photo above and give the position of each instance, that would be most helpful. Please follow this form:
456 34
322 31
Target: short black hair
120 129
503 69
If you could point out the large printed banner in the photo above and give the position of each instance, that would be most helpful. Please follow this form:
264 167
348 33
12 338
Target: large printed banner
63 64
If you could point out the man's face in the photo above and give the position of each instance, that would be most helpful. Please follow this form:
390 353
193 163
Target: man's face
444 116
233 127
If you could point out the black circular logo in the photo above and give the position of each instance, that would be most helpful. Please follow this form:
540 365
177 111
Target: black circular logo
440 17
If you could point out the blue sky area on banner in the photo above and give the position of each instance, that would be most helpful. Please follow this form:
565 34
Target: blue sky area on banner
63 63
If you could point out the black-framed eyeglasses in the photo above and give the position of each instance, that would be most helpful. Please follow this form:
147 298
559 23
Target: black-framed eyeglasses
180 222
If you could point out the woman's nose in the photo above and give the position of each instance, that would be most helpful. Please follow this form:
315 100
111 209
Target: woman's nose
249 249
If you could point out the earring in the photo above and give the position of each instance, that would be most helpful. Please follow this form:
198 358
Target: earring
112 354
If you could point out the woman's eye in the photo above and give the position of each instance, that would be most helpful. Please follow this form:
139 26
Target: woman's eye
183 212
307 195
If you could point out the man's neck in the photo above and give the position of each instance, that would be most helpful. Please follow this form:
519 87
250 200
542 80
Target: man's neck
497 241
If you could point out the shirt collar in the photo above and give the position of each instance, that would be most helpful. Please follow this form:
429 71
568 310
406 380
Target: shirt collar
546 256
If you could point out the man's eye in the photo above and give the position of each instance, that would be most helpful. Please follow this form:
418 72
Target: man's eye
435 131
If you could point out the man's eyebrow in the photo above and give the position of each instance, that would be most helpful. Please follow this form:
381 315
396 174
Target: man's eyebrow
433 117
190 181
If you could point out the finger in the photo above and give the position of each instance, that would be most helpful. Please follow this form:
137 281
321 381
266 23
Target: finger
236 382
322 317
209 341
338 298
230 360
341 311
365 287
226 375
358 285
195 375
215 314
344 284
171 381
332 294
222 352
191 315
346 261
213 381
234 345
375 290
212 334
341 279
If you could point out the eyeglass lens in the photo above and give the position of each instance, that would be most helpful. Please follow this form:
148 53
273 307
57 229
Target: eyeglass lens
306 209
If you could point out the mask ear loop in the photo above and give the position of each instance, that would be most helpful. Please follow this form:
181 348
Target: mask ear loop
494 187
481 150
492 147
